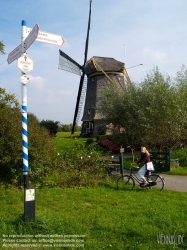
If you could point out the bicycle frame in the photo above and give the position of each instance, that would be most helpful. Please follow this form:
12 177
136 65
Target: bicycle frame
135 177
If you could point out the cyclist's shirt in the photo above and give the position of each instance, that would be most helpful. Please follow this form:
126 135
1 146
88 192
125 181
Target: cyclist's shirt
145 158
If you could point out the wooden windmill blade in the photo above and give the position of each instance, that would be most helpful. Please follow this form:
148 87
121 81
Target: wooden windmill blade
83 72
68 64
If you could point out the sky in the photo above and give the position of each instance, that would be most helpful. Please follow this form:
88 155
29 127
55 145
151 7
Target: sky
148 32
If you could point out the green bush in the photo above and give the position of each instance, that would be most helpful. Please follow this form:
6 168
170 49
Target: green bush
180 154
41 150
40 145
104 137
89 141
78 165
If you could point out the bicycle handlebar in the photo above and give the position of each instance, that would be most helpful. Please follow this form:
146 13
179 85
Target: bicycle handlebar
134 166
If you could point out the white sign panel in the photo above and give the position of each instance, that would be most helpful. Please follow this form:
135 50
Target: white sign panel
25 64
25 79
47 37
29 194
31 37
15 54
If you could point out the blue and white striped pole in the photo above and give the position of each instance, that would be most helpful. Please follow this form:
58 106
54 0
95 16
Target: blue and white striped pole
24 116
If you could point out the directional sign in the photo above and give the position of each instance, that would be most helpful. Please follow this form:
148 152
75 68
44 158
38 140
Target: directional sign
31 37
25 79
47 37
15 54
25 64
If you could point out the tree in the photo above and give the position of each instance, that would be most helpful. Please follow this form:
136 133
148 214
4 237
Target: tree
10 135
152 113
51 126
41 148
2 46
66 128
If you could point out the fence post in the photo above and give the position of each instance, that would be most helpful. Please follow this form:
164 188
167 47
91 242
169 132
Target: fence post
167 157
121 160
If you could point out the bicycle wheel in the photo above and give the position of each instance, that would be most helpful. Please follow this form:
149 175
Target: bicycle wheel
157 182
125 182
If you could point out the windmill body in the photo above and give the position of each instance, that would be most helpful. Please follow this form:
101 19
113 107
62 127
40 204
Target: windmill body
97 80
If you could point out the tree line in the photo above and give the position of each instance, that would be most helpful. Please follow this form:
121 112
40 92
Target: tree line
151 113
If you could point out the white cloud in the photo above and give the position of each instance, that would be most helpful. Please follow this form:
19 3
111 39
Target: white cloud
37 82
154 55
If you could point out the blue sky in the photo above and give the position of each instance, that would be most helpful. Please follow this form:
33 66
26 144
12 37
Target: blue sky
151 32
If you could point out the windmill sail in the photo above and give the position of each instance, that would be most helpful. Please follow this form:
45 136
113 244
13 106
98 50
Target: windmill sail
68 64
82 99
83 73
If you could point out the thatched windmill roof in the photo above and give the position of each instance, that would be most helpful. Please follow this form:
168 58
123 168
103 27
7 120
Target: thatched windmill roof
106 63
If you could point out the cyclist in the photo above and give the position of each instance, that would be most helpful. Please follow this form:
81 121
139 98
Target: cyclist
145 158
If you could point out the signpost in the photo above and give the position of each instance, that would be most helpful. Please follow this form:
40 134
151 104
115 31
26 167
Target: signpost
25 64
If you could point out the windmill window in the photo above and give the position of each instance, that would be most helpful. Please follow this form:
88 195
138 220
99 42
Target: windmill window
89 111
88 125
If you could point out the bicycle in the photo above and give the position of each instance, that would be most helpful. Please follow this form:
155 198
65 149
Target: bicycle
112 169
127 181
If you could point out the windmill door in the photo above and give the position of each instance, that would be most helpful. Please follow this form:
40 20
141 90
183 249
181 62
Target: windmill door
87 127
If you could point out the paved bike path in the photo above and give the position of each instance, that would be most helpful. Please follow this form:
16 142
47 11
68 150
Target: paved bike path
175 182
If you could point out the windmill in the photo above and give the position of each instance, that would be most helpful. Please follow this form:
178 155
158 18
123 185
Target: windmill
103 71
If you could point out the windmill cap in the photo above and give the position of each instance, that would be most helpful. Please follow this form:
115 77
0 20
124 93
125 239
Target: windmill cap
106 63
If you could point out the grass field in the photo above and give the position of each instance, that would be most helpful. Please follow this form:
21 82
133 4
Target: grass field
94 218
105 218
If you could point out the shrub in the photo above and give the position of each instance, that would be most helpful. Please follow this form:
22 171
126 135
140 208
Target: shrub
41 149
109 145
89 141
104 137
78 165
180 154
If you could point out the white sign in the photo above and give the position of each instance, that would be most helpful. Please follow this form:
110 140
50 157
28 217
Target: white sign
15 54
47 37
31 37
29 194
25 64
25 79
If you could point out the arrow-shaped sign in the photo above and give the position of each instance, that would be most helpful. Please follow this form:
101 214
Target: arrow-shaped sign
17 52
47 37
31 37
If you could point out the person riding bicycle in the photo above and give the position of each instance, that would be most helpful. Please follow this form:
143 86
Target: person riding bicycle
145 158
